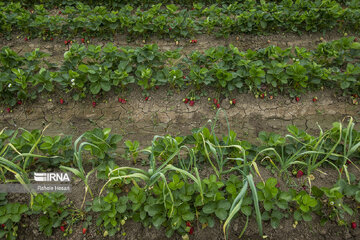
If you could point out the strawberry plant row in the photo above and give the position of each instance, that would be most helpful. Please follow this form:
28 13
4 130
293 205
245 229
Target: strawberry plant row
115 4
95 69
171 193
170 21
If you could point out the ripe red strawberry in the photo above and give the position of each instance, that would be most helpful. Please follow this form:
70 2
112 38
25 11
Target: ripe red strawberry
191 230
120 99
218 105
170 28
62 228
8 110
348 162
262 95
147 98
234 101
51 39
184 77
314 99
156 87
82 40
2 225
66 42
277 185
94 104
26 39
84 230
188 224
19 102
353 225
195 41
215 101
123 101
61 101
192 103
186 100
59 12
299 174
297 99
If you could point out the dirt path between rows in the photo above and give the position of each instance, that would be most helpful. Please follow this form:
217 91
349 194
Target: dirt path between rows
141 120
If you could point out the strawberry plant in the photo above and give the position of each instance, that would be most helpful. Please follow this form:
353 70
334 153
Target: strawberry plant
333 207
274 201
112 210
132 149
10 216
55 211
305 204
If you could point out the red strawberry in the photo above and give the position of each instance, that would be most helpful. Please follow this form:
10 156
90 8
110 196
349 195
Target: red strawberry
277 185
123 101
188 224
192 103
299 174
82 40
8 110
218 105
62 228
93 104
147 98
84 230
19 102
314 99
184 77
120 99
61 101
297 99
262 95
215 101
348 162
2 225
26 39
233 101
191 230
170 28
157 87
186 100
59 12
195 41
51 39
66 42
353 225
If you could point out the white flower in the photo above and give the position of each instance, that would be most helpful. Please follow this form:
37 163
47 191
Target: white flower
73 84
72 80
174 77
9 85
